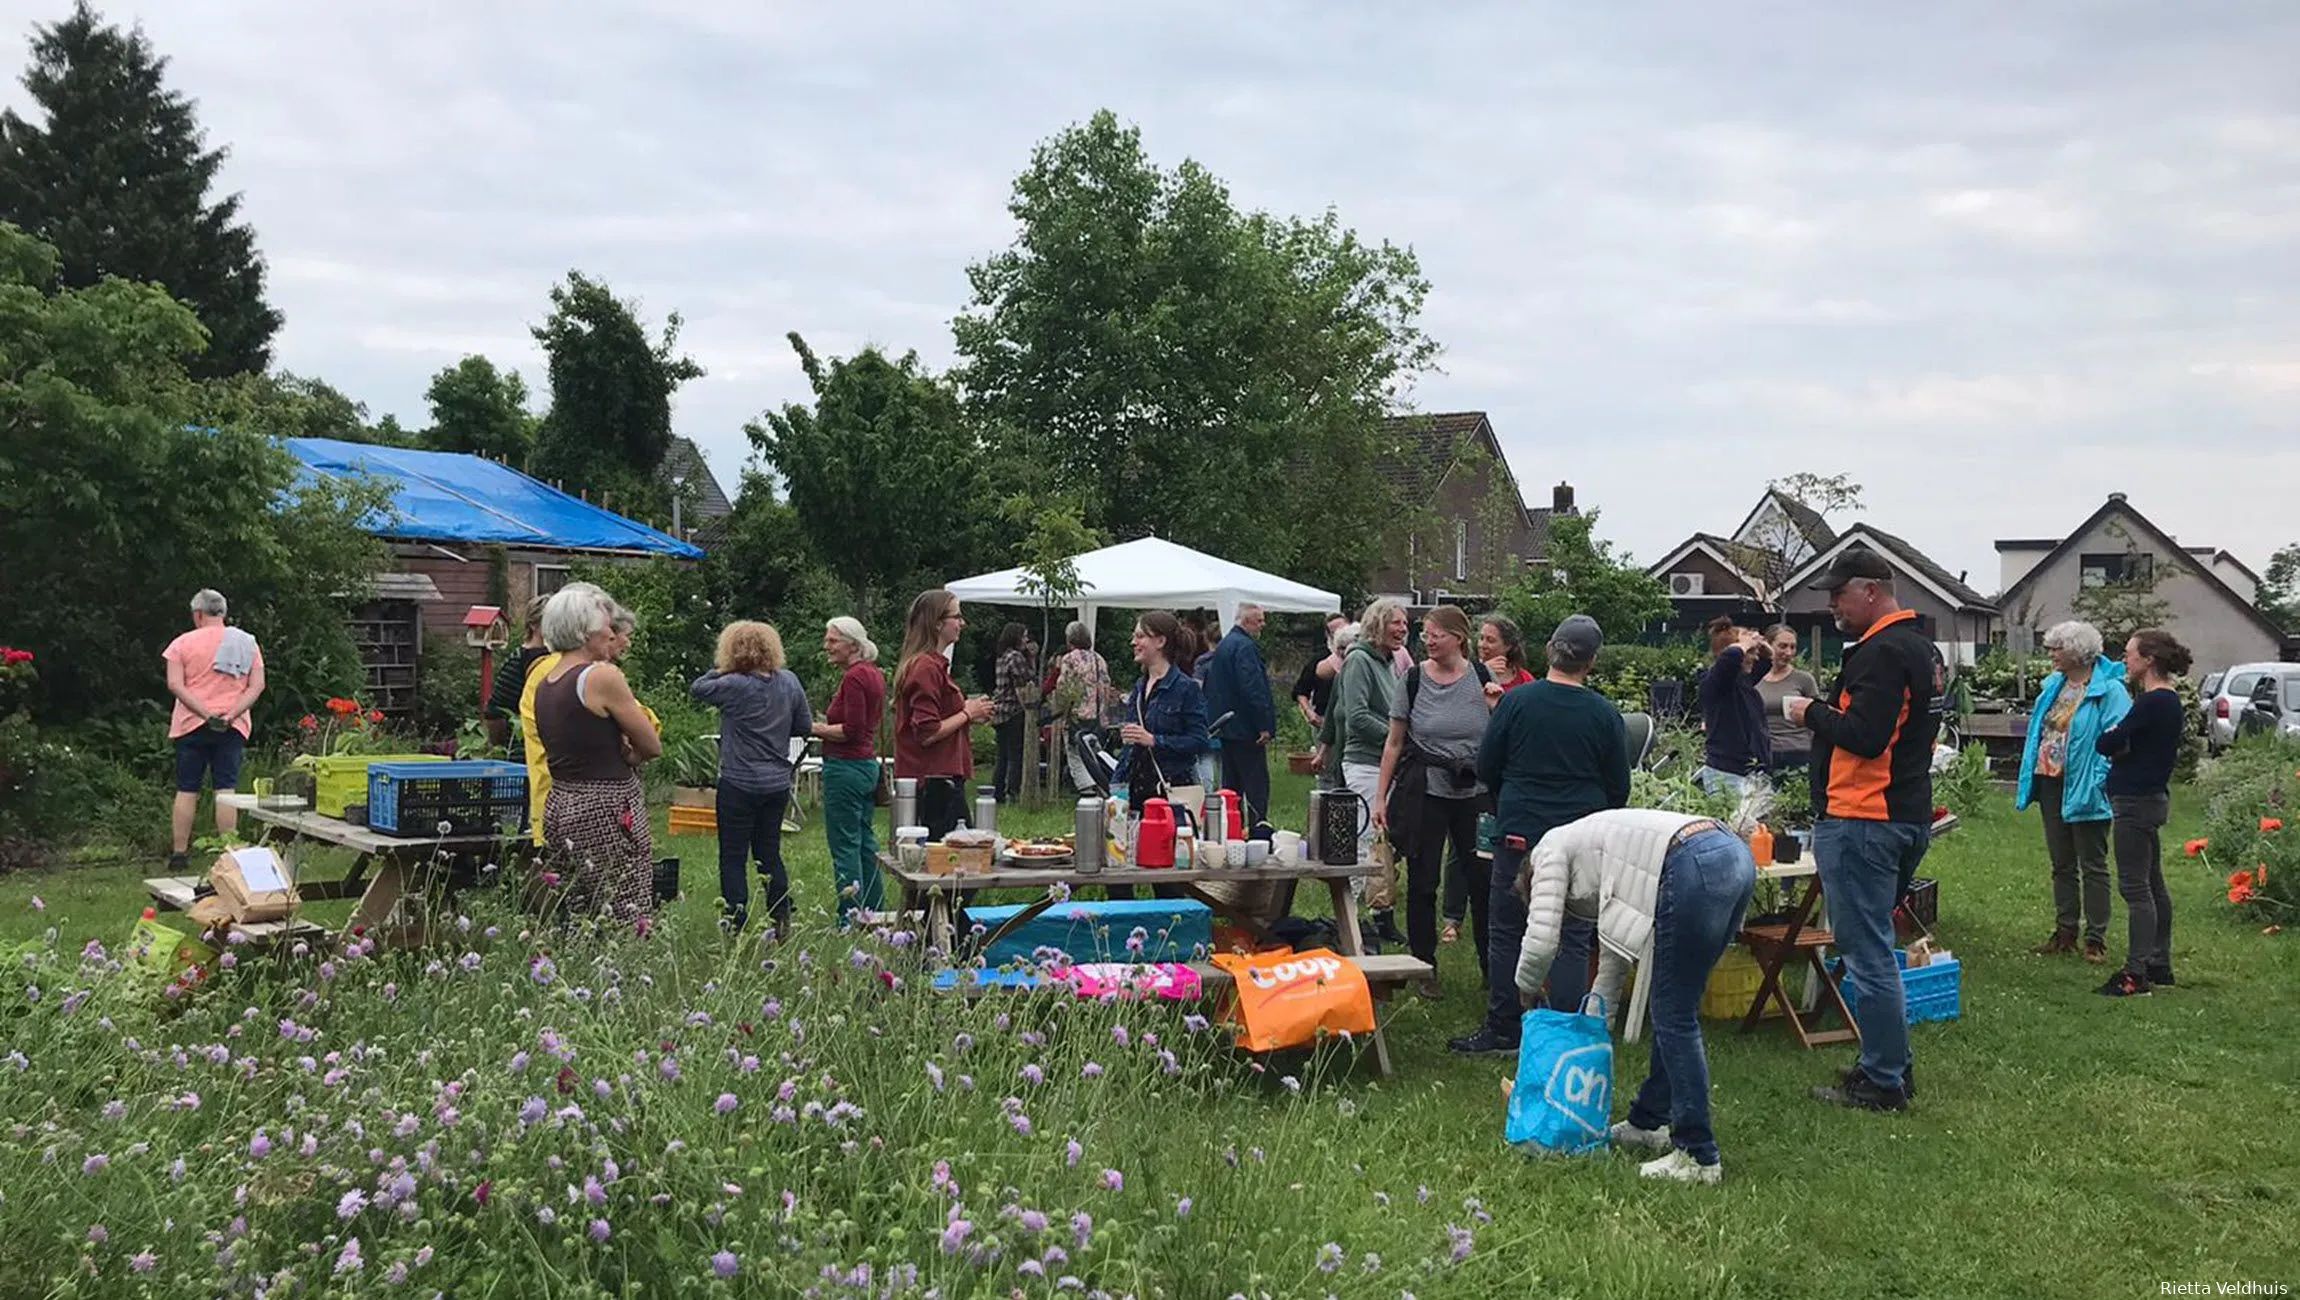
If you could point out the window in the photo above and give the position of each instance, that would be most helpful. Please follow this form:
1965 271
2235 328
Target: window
549 578
1460 549
2239 685
2292 693
2106 568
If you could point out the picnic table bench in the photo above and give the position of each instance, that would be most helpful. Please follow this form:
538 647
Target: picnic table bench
935 898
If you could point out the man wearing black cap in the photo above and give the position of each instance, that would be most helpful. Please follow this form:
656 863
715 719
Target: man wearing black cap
1872 807
1554 752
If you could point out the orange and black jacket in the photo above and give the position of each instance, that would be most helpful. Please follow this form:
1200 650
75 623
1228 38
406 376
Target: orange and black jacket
1873 748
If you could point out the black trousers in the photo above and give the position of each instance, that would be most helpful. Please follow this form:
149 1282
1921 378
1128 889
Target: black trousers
1439 825
1006 777
1246 769
751 826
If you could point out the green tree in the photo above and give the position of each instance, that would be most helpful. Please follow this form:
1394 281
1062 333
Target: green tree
2279 594
609 425
1586 575
287 405
2129 603
885 447
478 409
1777 545
98 446
117 179
1187 369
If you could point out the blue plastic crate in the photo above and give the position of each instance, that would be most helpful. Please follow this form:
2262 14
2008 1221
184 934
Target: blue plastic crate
1089 930
1931 992
472 798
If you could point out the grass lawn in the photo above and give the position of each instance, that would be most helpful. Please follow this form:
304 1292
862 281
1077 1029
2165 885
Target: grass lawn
2065 1144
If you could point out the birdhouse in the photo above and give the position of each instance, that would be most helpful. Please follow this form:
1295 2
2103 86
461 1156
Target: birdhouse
485 628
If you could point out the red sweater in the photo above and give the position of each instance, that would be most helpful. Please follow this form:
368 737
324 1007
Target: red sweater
856 705
926 696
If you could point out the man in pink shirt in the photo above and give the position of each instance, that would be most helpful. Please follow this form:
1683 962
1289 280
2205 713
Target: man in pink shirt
215 673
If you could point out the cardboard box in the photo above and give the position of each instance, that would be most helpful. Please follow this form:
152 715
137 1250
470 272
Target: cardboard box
254 885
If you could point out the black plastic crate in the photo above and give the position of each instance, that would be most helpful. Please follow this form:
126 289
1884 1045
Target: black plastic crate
1920 911
412 800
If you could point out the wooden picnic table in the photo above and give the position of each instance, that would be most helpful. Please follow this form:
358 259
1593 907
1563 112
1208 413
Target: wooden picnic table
936 899
398 868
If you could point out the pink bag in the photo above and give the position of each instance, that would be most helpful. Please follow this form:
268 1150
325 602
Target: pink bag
1115 981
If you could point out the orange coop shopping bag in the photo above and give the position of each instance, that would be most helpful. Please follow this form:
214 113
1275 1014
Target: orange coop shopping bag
1283 998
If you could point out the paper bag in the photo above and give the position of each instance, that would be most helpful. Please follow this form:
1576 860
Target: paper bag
1382 886
254 885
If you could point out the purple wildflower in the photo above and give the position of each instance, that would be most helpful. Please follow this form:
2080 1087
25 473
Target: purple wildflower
1113 1181
1090 1070
352 1203
533 1111
95 1164
592 1191
349 1260
1462 1239
724 1264
97 1235
954 1237
1071 1151
726 1103
669 1068
143 1261
1081 1229
1329 1257
1119 1035
599 1230
934 1075
1182 1208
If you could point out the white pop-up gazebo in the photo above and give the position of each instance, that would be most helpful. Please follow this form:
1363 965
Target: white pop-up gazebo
1153 573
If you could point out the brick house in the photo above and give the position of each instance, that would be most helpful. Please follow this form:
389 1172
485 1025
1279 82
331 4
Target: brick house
1477 533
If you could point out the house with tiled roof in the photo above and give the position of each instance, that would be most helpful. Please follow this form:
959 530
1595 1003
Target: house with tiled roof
1475 532
1950 611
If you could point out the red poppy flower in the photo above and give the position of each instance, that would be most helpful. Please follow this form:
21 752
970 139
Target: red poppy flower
2271 823
2240 878
2260 876
375 715
310 723
2240 894
2195 848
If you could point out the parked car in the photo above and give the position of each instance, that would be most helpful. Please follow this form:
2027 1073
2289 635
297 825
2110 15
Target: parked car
2228 697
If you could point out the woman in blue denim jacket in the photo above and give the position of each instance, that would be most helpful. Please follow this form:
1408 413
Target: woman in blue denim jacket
1165 714
2063 774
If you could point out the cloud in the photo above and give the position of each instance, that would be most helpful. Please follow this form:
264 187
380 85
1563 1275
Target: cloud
1984 258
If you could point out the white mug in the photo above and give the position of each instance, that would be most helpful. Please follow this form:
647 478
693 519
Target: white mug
1257 853
1234 853
1789 703
1285 846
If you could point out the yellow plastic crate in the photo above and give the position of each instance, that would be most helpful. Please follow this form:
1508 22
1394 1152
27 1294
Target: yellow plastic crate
686 820
1732 986
341 779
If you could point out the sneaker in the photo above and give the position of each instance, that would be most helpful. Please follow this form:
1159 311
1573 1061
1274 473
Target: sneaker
179 863
1860 1092
1386 927
2062 941
2124 984
1679 1167
1430 989
2095 951
1908 1078
1484 1042
2160 977
1630 1137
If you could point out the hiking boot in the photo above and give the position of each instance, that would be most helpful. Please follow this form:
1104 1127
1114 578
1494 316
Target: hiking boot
1678 1167
2124 984
2160 977
1861 1092
2095 951
1629 1137
1484 1042
2062 941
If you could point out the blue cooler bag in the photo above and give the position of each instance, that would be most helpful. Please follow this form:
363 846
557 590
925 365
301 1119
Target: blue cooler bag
1562 1102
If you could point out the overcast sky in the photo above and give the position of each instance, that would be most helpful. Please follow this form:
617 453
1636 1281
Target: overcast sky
1995 260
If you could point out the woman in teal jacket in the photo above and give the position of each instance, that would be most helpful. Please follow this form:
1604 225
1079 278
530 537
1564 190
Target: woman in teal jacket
2063 775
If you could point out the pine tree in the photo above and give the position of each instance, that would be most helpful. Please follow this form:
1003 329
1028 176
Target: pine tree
117 179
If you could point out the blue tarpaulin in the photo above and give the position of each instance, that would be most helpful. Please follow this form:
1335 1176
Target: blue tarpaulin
449 497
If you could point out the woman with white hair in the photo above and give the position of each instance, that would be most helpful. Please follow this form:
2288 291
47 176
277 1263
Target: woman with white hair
1359 722
596 735
2064 775
849 732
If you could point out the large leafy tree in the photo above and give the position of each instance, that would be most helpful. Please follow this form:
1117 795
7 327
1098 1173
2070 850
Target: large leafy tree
1181 367
479 409
2279 594
611 386
887 448
117 178
284 404
115 507
1586 575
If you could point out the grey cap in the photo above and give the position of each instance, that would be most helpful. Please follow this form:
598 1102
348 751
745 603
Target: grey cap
1579 637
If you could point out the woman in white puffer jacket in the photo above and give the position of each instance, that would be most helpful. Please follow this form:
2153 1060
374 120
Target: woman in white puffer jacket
1662 887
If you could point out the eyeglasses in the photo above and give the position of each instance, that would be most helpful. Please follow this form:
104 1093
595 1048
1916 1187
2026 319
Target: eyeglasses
954 614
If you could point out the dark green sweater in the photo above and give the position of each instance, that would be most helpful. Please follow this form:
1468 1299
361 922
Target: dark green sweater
1556 754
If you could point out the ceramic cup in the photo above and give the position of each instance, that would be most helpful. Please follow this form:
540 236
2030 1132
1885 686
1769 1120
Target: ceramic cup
1286 846
1257 853
1234 853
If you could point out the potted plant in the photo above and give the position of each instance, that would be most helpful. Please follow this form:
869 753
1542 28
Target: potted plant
693 766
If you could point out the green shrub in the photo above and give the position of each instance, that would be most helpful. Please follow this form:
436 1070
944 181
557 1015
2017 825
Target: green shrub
2250 792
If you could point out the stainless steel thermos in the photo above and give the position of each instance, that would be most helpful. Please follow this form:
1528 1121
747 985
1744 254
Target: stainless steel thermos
986 808
1091 828
905 801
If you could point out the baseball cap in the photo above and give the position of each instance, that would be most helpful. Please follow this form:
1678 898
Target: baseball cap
1579 637
1859 562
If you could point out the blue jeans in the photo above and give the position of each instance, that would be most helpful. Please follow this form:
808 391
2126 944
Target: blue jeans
1505 935
1705 887
1864 866
1715 781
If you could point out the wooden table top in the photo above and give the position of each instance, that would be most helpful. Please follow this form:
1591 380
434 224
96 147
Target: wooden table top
335 830
1030 877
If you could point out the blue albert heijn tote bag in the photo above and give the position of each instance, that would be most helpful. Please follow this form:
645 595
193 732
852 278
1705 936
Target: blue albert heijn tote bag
1562 1102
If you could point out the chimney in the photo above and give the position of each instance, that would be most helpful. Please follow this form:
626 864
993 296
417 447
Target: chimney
2116 496
1561 499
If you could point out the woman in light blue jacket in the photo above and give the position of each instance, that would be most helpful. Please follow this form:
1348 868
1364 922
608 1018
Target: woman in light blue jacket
2063 775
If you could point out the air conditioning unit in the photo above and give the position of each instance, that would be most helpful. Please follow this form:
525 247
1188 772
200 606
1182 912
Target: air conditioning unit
1687 584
